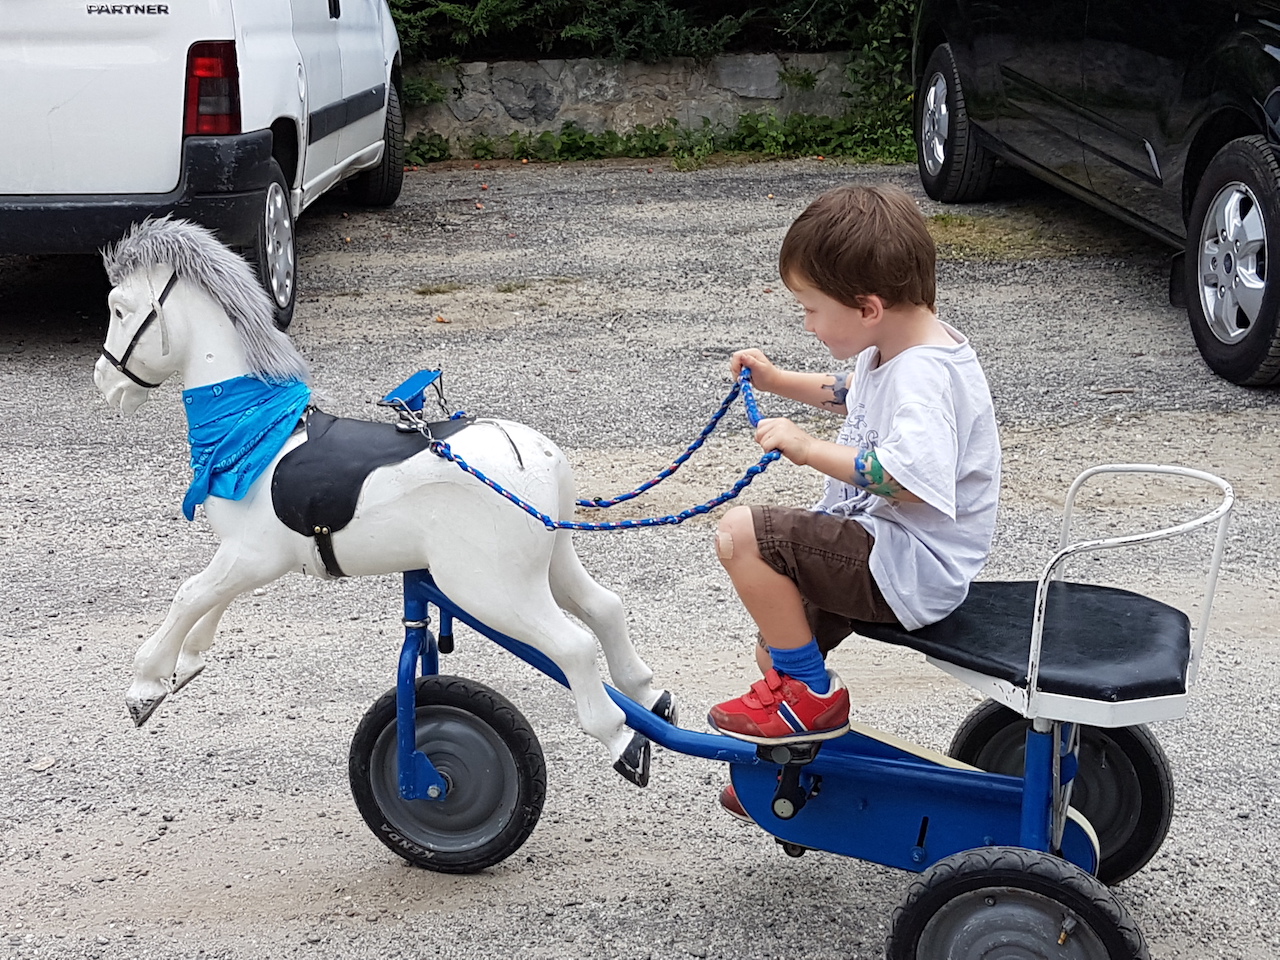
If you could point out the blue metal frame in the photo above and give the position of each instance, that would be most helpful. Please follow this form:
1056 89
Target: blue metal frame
869 799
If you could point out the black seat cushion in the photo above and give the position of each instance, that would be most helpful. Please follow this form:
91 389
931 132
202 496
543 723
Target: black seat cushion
1100 643
317 484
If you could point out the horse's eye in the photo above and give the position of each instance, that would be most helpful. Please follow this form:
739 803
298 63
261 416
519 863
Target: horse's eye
118 312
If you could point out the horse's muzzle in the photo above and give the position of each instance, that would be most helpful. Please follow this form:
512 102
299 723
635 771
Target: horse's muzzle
120 393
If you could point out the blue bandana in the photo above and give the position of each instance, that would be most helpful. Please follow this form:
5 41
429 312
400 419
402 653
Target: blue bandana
236 428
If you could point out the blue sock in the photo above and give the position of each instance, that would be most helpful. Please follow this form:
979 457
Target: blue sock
805 664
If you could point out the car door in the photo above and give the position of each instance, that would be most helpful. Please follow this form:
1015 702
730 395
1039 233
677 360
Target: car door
364 75
1136 60
315 31
1039 75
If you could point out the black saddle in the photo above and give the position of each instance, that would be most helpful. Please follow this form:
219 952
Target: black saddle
1100 643
317 484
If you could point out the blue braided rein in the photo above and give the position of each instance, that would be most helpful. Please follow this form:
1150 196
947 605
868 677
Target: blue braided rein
743 386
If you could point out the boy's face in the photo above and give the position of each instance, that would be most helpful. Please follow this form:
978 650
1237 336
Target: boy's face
843 329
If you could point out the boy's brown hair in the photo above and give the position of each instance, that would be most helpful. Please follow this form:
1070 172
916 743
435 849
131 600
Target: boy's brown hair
856 241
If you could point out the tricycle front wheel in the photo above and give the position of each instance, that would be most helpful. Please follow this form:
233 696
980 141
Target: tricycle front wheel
1011 902
489 757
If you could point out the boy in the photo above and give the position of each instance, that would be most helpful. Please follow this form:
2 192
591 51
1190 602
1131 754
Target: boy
909 509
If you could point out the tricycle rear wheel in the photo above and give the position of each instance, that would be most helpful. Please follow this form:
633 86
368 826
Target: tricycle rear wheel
491 761
1124 786
1011 902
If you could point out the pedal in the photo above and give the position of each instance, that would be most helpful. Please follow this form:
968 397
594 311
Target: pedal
792 793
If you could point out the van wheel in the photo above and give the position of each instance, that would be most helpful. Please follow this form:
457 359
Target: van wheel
275 255
1232 301
380 186
954 167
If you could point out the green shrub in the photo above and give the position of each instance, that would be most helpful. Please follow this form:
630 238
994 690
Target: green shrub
420 91
626 29
880 74
868 136
426 148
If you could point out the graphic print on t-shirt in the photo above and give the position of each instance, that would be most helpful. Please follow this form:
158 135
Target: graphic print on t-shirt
857 435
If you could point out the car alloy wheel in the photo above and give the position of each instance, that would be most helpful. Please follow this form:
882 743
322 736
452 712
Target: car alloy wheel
1233 258
935 122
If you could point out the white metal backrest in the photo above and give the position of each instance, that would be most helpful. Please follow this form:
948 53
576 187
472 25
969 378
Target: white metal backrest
1066 549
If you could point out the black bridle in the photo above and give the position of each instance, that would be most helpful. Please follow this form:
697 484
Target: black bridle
142 328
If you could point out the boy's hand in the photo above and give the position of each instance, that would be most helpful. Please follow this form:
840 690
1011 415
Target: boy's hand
779 433
763 372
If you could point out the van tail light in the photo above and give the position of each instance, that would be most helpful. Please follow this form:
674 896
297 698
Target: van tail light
213 89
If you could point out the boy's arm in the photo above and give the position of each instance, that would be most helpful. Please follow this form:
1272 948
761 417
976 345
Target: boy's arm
826 391
860 467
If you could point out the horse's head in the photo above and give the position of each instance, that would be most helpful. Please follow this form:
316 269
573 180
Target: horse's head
219 322
138 354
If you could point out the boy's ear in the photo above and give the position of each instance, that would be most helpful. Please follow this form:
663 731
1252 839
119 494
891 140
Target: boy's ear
871 307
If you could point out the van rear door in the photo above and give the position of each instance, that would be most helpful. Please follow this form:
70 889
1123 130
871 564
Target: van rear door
93 93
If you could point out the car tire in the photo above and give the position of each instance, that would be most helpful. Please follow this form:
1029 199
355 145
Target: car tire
1233 234
380 186
274 255
954 167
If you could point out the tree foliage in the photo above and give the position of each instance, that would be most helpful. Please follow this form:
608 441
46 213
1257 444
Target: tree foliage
648 30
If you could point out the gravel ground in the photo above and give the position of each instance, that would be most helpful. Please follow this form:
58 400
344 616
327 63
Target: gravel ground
597 303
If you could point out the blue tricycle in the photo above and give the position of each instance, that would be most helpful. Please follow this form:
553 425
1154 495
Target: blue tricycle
1051 790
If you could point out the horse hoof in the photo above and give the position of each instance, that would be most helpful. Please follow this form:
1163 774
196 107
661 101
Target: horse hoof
180 682
666 708
141 710
634 762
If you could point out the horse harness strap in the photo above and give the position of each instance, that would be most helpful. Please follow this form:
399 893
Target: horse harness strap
142 328
316 486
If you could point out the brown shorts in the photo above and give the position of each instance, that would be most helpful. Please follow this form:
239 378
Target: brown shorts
828 557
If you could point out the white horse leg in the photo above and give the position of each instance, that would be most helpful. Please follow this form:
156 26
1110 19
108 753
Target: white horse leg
601 610
533 617
228 575
191 662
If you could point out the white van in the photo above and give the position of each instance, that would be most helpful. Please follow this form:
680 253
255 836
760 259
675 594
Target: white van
233 113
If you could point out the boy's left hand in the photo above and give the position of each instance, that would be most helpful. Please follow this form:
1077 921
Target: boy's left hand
779 433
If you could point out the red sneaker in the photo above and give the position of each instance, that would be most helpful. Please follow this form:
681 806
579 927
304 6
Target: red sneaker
732 805
779 709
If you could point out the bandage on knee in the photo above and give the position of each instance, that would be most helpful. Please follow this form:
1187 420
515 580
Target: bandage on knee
724 545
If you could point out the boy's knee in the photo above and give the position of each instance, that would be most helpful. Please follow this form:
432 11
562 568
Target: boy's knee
735 534
724 545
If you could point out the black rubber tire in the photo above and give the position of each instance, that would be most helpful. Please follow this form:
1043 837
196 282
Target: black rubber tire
1254 359
472 735
966 166
1009 901
380 186
274 255
1124 786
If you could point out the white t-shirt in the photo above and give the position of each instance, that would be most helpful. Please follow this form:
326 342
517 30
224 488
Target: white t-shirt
928 415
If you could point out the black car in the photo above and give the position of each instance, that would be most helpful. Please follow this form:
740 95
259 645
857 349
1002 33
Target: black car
1164 113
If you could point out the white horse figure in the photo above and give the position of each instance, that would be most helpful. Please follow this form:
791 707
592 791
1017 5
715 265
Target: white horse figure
184 304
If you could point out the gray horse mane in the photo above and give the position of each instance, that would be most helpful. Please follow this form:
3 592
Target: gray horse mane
198 256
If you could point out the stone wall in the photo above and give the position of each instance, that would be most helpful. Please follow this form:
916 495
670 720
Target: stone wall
497 99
